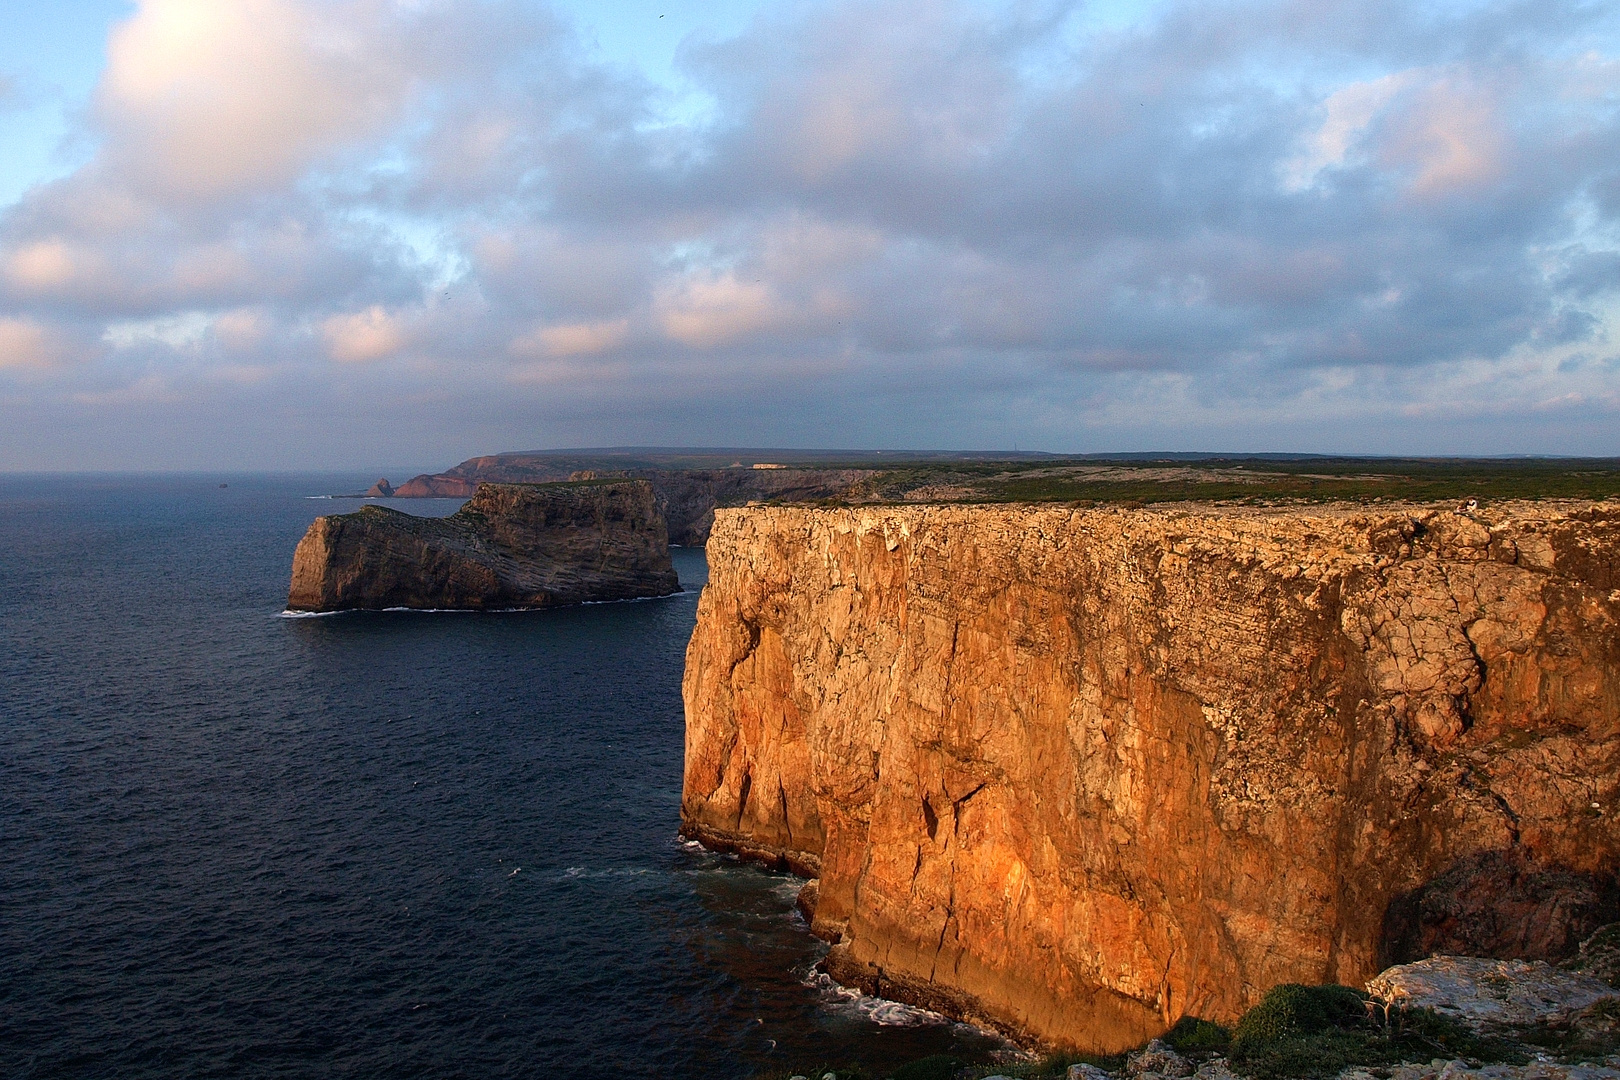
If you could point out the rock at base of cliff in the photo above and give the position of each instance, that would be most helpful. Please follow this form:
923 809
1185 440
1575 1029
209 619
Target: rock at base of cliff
1493 995
512 546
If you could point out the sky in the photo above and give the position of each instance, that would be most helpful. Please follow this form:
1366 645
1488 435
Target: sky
291 234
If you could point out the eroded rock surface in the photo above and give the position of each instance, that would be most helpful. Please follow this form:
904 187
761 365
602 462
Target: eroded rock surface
1079 773
510 546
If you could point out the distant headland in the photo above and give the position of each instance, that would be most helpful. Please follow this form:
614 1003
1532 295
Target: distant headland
689 484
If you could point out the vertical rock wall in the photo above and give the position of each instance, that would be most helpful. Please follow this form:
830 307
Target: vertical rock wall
1079 773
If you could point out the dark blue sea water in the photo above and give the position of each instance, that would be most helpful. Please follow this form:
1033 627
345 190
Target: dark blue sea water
369 845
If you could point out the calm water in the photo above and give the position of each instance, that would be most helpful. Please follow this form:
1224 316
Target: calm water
371 845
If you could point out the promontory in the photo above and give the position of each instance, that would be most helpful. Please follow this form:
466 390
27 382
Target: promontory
1080 772
511 546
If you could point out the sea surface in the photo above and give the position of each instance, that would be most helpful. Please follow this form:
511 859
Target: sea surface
398 844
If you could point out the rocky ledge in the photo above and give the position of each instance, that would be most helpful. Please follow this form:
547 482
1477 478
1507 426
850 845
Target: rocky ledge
511 546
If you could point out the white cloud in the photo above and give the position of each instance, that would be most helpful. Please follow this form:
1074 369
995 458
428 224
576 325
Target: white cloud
182 331
1450 140
242 328
202 98
711 309
1348 111
573 339
42 266
26 344
364 336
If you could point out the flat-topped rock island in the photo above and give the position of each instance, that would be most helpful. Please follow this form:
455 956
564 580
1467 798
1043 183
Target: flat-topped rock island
511 546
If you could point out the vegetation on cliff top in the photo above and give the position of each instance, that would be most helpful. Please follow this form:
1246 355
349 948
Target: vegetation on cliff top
1250 480
847 476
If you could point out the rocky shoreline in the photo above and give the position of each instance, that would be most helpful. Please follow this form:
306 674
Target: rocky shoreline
1442 1018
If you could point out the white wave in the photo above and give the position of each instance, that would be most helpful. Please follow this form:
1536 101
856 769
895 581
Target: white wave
895 1014
820 981
877 1010
290 614
581 872
631 599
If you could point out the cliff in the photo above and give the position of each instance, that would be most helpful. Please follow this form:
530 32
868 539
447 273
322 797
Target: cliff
510 546
1078 773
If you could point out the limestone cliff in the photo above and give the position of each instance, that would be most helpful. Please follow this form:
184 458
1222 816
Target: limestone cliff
1081 772
510 546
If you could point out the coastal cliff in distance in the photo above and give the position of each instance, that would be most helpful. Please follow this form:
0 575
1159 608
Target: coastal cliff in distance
510 546
686 498
1078 773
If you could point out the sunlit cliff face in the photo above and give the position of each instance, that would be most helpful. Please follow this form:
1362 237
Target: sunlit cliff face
422 227
1084 772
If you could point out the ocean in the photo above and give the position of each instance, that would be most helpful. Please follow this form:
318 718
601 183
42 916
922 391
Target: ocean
388 844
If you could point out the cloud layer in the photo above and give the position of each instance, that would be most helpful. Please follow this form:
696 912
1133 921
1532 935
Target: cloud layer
411 230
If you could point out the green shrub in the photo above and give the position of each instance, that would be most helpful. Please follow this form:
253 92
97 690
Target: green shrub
1316 1031
1292 1010
1418 1030
1321 1054
936 1067
1192 1034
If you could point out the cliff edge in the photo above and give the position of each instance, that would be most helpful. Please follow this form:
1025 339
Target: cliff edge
1078 773
510 546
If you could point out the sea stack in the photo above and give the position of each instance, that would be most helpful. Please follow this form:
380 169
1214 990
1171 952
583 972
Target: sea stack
382 489
511 546
1079 773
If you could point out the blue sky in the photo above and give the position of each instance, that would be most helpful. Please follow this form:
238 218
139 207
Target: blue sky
290 233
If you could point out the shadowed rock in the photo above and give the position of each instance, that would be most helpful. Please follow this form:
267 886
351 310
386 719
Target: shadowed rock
511 546
1500 904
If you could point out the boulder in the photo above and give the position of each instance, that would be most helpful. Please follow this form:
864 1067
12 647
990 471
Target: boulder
1492 996
1156 1059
